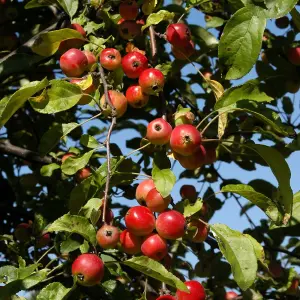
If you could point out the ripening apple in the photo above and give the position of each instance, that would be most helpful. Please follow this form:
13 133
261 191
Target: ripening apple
134 63
152 81
88 269
143 189
178 34
130 243
293 55
231 295
110 59
135 96
188 191
159 132
128 29
193 161
108 236
196 289
156 202
118 100
155 247
201 232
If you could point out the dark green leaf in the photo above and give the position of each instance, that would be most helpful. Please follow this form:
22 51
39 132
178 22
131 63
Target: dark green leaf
74 224
155 270
52 137
38 3
282 173
204 36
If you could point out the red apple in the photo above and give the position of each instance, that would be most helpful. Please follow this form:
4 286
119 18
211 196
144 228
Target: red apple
108 236
139 220
23 232
196 289
152 81
73 43
73 63
128 30
159 132
178 34
155 202
131 244
128 9
293 55
188 191
143 189
135 96
83 174
293 289
192 162
185 52
170 224
210 155
276 269
43 241
134 63
185 139
154 247
292 85
231 295
67 155
88 269
91 58
110 59
118 100
201 231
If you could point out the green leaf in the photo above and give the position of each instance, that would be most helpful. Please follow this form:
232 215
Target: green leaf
279 8
53 291
201 34
262 201
8 274
62 95
8 106
69 6
258 249
70 244
48 43
47 170
164 180
156 18
241 41
188 208
89 141
239 252
81 193
90 207
155 270
74 224
52 137
73 164
282 172
214 22
38 3
250 90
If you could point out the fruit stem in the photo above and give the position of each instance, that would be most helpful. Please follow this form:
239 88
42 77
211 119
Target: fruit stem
138 149
45 253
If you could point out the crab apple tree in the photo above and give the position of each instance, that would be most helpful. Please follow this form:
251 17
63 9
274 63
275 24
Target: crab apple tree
149 150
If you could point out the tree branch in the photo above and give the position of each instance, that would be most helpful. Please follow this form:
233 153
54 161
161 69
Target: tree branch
153 44
7 148
107 140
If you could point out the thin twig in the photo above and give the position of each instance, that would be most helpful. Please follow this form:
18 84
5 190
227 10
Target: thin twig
107 98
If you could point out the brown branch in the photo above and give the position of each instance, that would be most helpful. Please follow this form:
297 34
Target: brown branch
7 148
107 140
153 44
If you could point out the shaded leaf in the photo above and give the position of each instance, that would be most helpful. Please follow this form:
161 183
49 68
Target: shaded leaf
73 164
48 43
69 6
53 291
47 170
155 18
8 106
